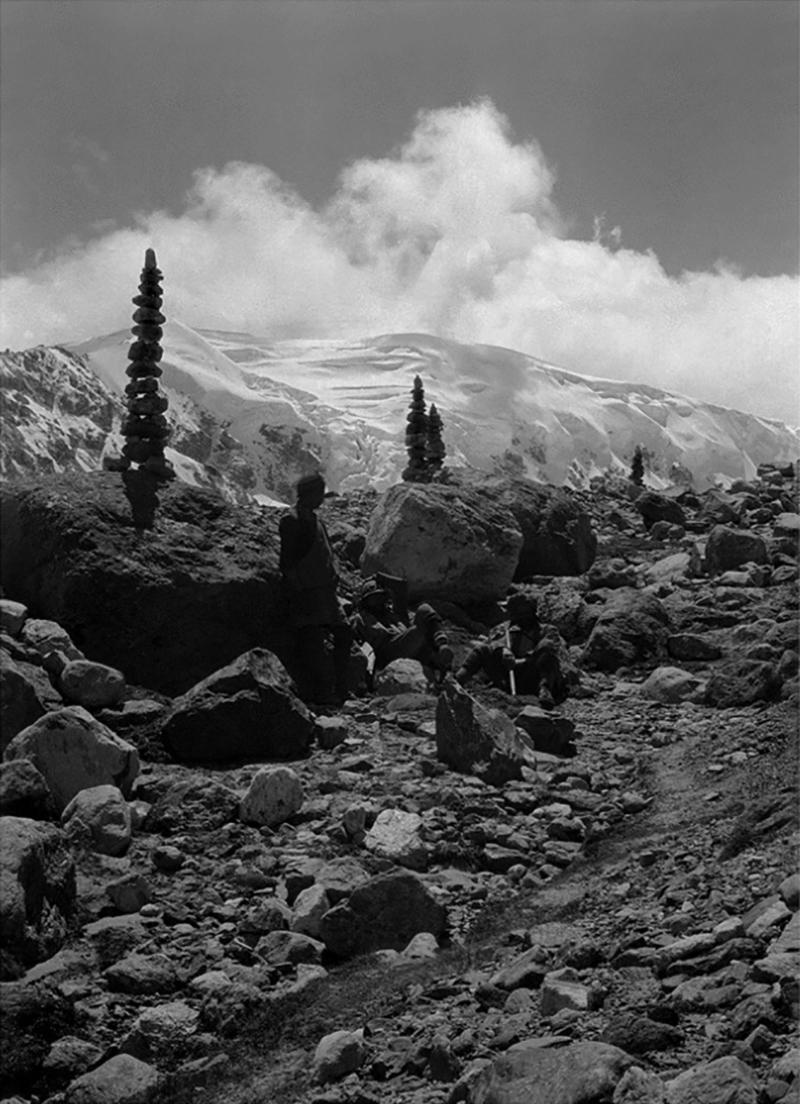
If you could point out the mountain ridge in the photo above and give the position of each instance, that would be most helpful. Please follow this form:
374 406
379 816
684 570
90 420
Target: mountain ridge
279 408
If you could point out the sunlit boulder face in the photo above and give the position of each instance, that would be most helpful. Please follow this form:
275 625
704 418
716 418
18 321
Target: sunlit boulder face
452 543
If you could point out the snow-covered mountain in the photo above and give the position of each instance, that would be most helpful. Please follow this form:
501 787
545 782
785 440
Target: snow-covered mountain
262 412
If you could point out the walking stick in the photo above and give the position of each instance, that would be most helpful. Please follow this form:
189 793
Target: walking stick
512 678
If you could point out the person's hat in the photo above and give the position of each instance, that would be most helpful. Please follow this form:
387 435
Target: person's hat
309 483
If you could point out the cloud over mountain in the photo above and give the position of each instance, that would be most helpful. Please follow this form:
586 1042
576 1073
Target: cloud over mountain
455 233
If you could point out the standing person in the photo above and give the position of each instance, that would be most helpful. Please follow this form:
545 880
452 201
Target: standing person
519 645
383 627
310 577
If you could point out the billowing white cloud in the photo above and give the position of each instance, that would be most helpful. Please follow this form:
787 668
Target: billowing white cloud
455 234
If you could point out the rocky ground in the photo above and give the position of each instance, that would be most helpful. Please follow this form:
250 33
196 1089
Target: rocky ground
607 911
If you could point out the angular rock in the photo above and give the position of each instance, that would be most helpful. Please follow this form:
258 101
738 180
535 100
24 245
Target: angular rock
655 507
638 1086
37 874
48 637
275 794
73 752
193 804
564 989
475 740
742 682
338 1054
385 912
341 877
330 732
121 1080
106 814
129 893
23 791
26 694
245 711
92 685
142 973
723 1081
549 733
729 548
163 1033
632 626
12 616
529 1073
526 971
611 573
310 905
637 1034
452 543
396 835
401 676
32 1017
691 646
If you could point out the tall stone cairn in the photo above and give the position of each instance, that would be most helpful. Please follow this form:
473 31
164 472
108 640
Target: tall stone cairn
145 429
416 470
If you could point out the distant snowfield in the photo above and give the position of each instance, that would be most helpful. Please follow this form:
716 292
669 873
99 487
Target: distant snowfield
294 405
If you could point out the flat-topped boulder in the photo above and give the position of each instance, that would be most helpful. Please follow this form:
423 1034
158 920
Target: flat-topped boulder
207 572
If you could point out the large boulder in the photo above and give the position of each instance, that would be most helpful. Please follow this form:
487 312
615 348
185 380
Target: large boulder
206 573
632 627
73 751
37 874
557 533
741 682
453 543
658 507
385 912
23 791
32 1018
26 694
727 548
531 1072
245 711
475 740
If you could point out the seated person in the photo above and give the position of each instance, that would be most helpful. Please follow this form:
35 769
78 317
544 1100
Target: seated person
519 645
380 624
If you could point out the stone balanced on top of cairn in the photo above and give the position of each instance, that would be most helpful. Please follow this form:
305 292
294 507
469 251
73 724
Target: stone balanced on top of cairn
145 428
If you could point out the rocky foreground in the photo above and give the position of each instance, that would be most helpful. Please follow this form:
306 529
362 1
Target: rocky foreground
431 897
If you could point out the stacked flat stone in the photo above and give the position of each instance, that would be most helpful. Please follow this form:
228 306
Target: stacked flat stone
145 428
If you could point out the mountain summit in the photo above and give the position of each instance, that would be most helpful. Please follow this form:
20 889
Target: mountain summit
250 414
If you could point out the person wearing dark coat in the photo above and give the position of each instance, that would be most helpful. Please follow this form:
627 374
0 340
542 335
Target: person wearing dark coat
308 568
382 625
521 646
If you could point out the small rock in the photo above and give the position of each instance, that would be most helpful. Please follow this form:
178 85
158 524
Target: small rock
105 812
129 893
338 1054
275 794
396 835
